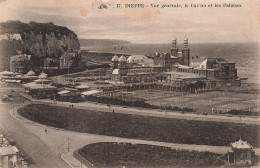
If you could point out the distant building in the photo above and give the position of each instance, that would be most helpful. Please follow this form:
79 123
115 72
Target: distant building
174 70
82 87
132 70
40 91
8 153
218 72
89 93
20 63
10 37
50 63
66 60
68 94
241 154
8 156
41 88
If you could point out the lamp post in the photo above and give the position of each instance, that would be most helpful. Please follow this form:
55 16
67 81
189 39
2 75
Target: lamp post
210 106
68 144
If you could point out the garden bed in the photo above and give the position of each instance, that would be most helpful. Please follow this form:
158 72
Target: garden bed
243 112
109 154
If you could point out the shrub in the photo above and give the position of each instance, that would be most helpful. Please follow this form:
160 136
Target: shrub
138 103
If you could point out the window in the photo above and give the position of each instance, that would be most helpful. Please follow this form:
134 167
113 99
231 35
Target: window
248 154
216 74
227 68
242 155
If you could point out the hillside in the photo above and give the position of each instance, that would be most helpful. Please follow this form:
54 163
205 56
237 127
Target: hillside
40 40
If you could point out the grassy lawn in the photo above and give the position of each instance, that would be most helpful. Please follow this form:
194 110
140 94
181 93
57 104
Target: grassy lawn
108 154
218 100
142 127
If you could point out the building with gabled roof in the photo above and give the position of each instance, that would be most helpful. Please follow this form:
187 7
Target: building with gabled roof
8 153
241 153
20 63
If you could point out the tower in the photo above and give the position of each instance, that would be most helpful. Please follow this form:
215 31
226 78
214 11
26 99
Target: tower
115 62
174 49
166 61
122 65
186 52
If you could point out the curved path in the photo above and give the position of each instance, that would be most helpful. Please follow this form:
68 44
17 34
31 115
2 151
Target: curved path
149 112
39 153
59 139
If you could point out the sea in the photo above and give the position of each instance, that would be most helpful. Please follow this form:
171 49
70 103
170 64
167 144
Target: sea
245 55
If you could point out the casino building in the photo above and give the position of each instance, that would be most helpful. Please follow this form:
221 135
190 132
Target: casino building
173 69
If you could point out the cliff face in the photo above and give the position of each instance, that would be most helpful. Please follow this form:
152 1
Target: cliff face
40 40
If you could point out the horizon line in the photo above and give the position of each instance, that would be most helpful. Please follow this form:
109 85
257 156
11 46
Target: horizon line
170 41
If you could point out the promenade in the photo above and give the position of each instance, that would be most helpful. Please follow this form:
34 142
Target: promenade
148 112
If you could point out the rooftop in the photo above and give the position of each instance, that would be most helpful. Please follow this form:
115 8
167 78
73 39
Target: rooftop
34 85
240 144
82 86
182 66
122 59
115 72
90 92
42 75
8 150
115 58
141 73
183 75
21 57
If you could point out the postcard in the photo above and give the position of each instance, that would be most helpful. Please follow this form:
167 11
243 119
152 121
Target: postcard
129 83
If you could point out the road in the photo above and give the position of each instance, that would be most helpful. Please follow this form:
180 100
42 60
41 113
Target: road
28 138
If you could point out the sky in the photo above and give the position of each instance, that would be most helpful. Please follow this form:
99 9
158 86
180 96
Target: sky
143 25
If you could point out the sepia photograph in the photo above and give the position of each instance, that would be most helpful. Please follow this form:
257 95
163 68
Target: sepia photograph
129 84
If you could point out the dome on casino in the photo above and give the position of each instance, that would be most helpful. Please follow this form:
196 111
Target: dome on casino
122 59
115 58
185 41
115 72
131 59
137 59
